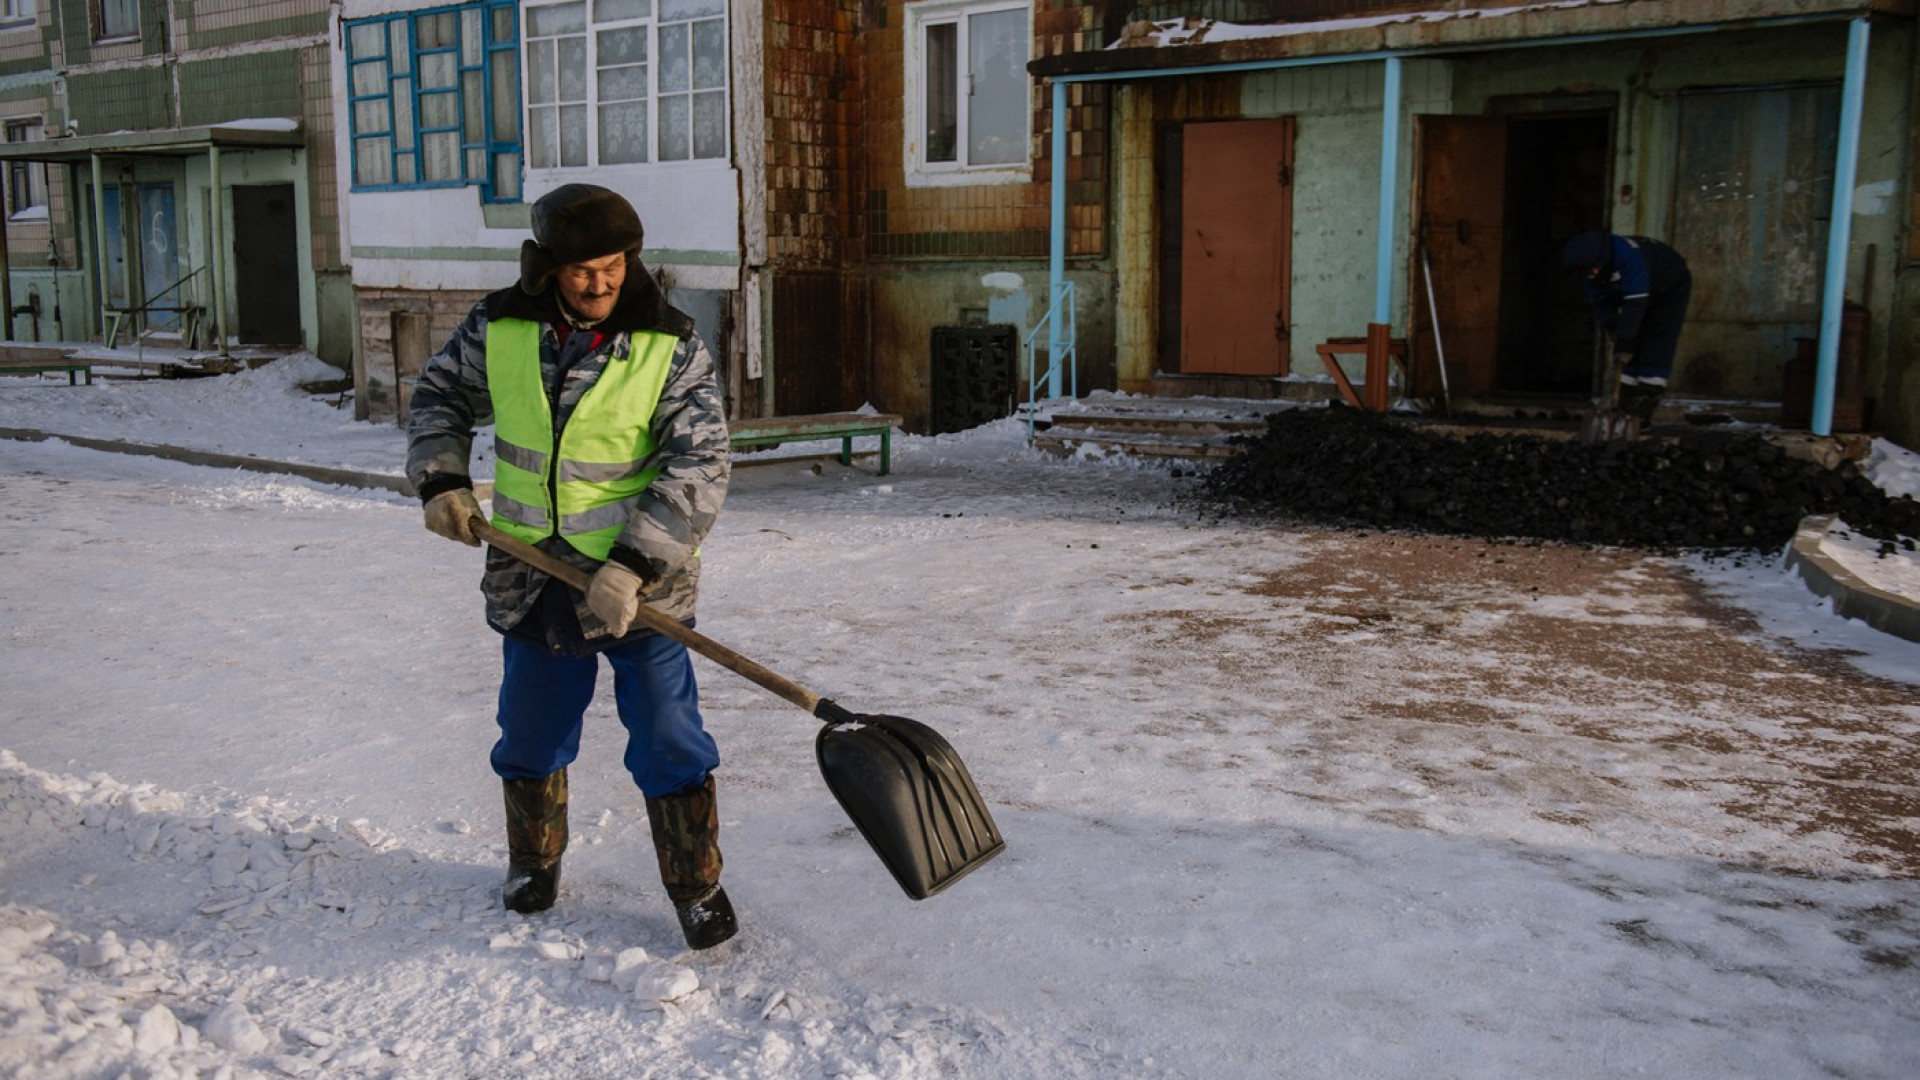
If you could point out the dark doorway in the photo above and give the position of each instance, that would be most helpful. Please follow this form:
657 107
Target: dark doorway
1556 186
266 256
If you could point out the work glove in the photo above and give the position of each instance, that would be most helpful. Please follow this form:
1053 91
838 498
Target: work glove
613 594
451 514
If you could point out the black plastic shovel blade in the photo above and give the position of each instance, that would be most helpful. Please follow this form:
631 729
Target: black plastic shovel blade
911 796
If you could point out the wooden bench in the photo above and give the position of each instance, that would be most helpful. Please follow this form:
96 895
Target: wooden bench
774 430
10 365
1373 393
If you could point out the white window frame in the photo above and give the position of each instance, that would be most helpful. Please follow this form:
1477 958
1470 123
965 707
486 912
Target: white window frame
592 103
18 11
919 171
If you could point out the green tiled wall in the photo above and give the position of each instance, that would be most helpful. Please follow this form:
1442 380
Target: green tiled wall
240 88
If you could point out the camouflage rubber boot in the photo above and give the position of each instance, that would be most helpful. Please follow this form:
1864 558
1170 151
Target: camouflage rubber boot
686 835
536 836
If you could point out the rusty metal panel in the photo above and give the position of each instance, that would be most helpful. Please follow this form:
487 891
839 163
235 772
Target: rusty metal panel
1753 193
1236 190
1462 234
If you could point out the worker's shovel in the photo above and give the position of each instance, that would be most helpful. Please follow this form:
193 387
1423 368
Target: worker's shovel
903 785
1606 424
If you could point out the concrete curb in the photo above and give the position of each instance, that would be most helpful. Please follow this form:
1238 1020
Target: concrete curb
325 474
1852 596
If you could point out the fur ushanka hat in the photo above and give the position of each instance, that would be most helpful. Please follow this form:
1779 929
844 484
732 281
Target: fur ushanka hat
576 223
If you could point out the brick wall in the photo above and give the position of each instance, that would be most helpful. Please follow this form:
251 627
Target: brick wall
986 220
813 132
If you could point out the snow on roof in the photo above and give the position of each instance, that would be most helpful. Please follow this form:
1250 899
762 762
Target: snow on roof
1196 31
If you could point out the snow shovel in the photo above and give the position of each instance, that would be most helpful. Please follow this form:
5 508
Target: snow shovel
903 785
1606 424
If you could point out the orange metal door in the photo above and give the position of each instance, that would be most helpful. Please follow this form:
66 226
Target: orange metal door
1462 225
1236 218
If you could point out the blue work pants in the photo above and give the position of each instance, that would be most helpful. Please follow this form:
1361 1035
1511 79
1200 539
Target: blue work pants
544 699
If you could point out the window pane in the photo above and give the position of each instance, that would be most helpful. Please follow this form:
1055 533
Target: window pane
710 125
438 69
573 69
370 78
628 46
403 169
470 37
442 156
942 83
674 125
999 107
473 108
506 176
557 19
373 162
398 47
403 114
506 111
503 25
671 10
616 10
439 110
573 135
540 78
366 40
543 138
624 83
440 31
370 117
119 17
674 73
623 133
709 55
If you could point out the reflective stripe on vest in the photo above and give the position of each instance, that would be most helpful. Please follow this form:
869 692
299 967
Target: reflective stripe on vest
603 450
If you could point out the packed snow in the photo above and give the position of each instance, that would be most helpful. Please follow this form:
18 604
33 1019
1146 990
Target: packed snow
1280 800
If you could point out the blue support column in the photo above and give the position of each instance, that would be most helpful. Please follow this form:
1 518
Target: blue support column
1057 243
1389 175
1840 228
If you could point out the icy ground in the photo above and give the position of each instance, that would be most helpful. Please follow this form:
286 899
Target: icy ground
1279 802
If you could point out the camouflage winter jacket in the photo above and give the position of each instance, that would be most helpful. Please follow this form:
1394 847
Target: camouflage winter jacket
663 536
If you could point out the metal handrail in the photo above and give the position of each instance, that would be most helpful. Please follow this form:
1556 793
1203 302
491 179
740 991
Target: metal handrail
1060 347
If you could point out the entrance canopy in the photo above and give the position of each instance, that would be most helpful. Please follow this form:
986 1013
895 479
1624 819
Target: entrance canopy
161 142
206 140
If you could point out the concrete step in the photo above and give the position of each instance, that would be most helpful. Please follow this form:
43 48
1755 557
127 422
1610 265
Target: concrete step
1075 439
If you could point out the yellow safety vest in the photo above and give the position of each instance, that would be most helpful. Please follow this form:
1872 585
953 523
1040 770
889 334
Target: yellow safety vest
601 454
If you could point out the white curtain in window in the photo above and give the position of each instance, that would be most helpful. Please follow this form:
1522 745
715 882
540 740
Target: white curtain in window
997 104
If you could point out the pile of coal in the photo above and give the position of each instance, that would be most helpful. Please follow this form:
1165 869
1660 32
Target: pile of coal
1705 488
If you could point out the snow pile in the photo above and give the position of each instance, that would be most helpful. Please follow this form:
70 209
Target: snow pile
224 968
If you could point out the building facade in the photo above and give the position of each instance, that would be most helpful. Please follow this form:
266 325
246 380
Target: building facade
169 172
834 187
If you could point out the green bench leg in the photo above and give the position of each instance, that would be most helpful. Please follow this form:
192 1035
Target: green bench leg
886 452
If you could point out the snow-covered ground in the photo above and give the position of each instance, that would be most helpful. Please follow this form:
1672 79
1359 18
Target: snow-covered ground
1279 801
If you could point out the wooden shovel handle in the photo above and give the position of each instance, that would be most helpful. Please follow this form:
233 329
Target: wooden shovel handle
653 620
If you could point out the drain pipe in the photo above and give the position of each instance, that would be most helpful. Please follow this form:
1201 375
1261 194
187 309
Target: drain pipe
1840 229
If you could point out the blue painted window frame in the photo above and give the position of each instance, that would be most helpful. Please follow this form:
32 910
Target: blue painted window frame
378 128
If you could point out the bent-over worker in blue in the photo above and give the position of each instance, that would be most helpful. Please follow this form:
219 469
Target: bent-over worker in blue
610 453
1639 289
